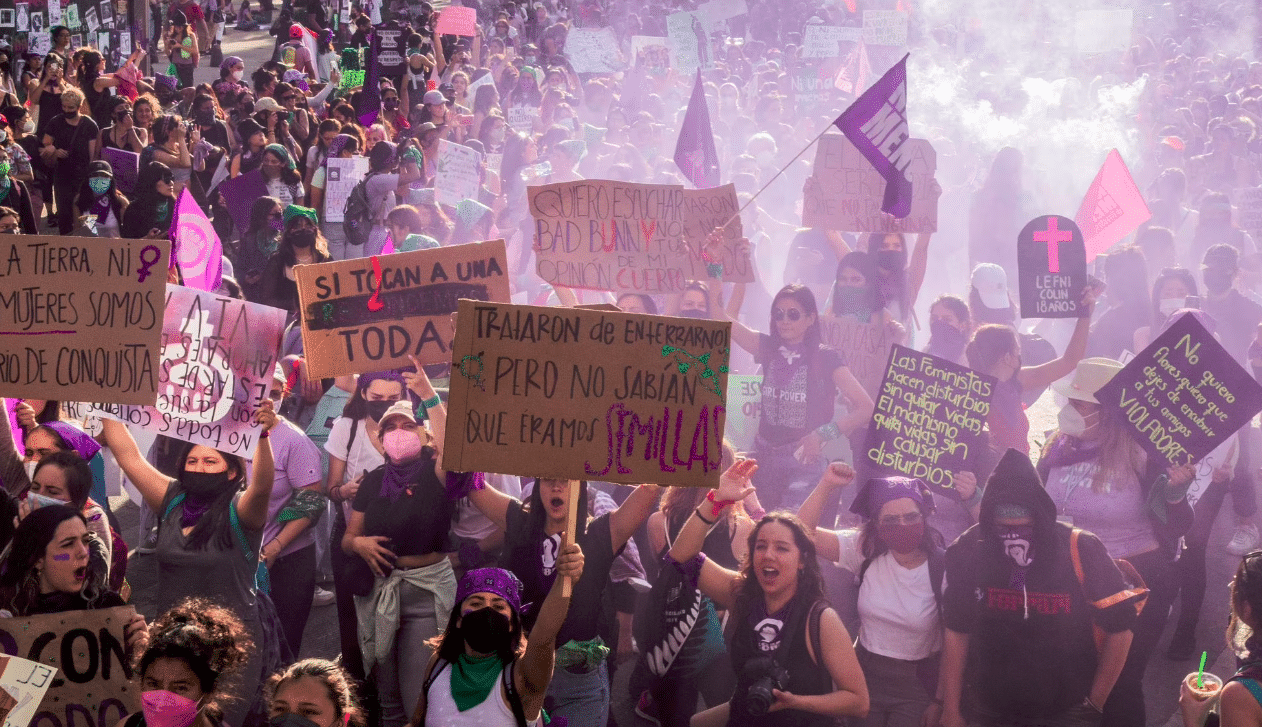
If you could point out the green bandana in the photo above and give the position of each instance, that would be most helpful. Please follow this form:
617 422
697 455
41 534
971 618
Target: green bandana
472 679
294 210
283 154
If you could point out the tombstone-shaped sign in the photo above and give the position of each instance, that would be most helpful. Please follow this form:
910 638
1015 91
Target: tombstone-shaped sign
1051 268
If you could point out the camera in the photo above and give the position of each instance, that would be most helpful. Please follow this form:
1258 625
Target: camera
767 676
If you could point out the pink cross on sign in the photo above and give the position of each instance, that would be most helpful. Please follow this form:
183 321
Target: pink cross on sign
1053 237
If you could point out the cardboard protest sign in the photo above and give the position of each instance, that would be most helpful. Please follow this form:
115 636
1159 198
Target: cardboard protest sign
1248 202
340 177
1103 30
587 394
866 347
1051 268
23 18
593 50
81 319
1183 395
343 334
885 27
1112 208
239 195
456 175
690 42
218 358
453 20
928 418
1224 455
706 209
522 118
844 191
76 661
824 41
650 53
126 165
744 411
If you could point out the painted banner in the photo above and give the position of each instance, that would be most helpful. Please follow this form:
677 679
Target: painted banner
844 192
1051 268
81 319
1248 208
126 165
824 41
1103 30
593 50
456 175
352 323
928 418
587 394
341 176
866 347
1183 395
876 123
198 252
453 20
744 411
218 358
71 667
391 47
1112 208
239 194
885 27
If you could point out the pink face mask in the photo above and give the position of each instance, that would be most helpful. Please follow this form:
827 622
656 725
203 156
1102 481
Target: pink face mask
167 709
401 444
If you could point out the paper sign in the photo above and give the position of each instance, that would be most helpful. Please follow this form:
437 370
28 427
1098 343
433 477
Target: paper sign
706 209
866 347
928 418
23 20
587 394
90 20
55 15
41 43
845 192
70 666
824 41
1224 455
126 165
717 11
522 118
198 251
650 53
239 195
390 44
1112 208
341 176
457 21
1051 268
885 27
456 175
690 42
1183 395
343 335
1248 207
218 358
69 16
76 323
1103 30
744 411
593 50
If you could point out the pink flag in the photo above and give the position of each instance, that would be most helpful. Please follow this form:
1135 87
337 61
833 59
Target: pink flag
1112 209
852 77
388 248
195 246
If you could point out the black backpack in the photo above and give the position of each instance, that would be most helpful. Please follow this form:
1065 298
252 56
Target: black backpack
358 220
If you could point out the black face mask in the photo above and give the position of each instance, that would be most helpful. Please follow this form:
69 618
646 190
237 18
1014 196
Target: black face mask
205 118
71 115
692 313
485 630
205 483
392 104
302 239
290 719
945 339
892 260
376 409
1217 280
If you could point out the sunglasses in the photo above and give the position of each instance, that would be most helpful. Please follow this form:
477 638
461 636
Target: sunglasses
793 314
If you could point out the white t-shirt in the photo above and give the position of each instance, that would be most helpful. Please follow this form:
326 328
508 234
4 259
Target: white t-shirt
898 614
470 522
362 455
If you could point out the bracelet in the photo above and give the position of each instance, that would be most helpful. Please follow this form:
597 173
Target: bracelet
432 402
334 490
701 517
715 269
716 506
266 433
829 431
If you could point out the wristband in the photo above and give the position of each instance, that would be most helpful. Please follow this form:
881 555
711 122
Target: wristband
716 506
701 517
829 431
715 269
266 433
432 402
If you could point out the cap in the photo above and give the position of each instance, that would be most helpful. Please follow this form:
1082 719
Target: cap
1089 376
445 87
248 127
991 283
267 103
295 31
427 126
434 98
100 168
401 408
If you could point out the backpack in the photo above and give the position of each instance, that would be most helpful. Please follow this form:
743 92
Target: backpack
1135 590
358 220
506 677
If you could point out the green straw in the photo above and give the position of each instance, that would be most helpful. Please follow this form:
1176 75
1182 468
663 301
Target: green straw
1200 674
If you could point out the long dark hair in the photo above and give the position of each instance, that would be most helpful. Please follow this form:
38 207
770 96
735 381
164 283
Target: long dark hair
810 581
19 581
894 281
870 544
1184 276
803 296
356 407
260 212
539 514
450 643
866 265
88 69
214 524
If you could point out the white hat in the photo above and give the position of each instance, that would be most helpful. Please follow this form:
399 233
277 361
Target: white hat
991 283
1090 375
402 408
267 103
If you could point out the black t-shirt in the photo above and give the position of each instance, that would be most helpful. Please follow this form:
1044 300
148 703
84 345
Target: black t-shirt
76 139
535 567
797 389
417 523
1237 318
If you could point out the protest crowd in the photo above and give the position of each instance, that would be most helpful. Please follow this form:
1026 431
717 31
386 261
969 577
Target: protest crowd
958 320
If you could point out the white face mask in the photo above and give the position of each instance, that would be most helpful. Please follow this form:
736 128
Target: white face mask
1168 306
30 469
1071 421
235 75
28 127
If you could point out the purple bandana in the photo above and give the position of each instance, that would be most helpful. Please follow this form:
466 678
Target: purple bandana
76 439
490 580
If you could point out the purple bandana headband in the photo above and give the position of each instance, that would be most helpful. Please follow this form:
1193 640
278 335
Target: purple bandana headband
338 144
490 580
389 375
76 439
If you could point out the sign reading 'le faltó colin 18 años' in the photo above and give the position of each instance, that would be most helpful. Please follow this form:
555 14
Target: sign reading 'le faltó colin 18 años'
573 393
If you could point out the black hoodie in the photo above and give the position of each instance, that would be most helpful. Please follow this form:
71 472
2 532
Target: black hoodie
1031 650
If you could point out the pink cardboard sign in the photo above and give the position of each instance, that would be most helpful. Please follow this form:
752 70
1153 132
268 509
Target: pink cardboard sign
458 21
1113 207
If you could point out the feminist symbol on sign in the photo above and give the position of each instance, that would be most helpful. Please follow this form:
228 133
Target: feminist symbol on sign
475 375
1053 236
143 272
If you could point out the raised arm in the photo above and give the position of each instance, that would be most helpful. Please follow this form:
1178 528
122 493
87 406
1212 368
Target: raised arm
493 505
1037 377
836 476
917 264
536 664
252 507
12 473
631 514
714 581
435 412
151 483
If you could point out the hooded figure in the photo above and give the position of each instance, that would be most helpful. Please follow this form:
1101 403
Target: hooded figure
1026 621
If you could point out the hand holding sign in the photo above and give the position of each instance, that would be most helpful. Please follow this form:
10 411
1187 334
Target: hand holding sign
266 415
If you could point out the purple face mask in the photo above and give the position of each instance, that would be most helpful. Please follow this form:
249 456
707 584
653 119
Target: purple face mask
276 223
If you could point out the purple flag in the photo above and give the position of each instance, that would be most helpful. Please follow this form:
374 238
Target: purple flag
876 123
695 154
370 95
239 194
195 246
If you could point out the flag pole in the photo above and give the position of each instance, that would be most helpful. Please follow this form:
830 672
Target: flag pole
776 176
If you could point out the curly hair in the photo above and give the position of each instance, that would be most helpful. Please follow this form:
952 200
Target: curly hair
207 637
331 675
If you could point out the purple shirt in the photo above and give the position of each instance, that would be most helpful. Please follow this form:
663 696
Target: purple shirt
297 466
